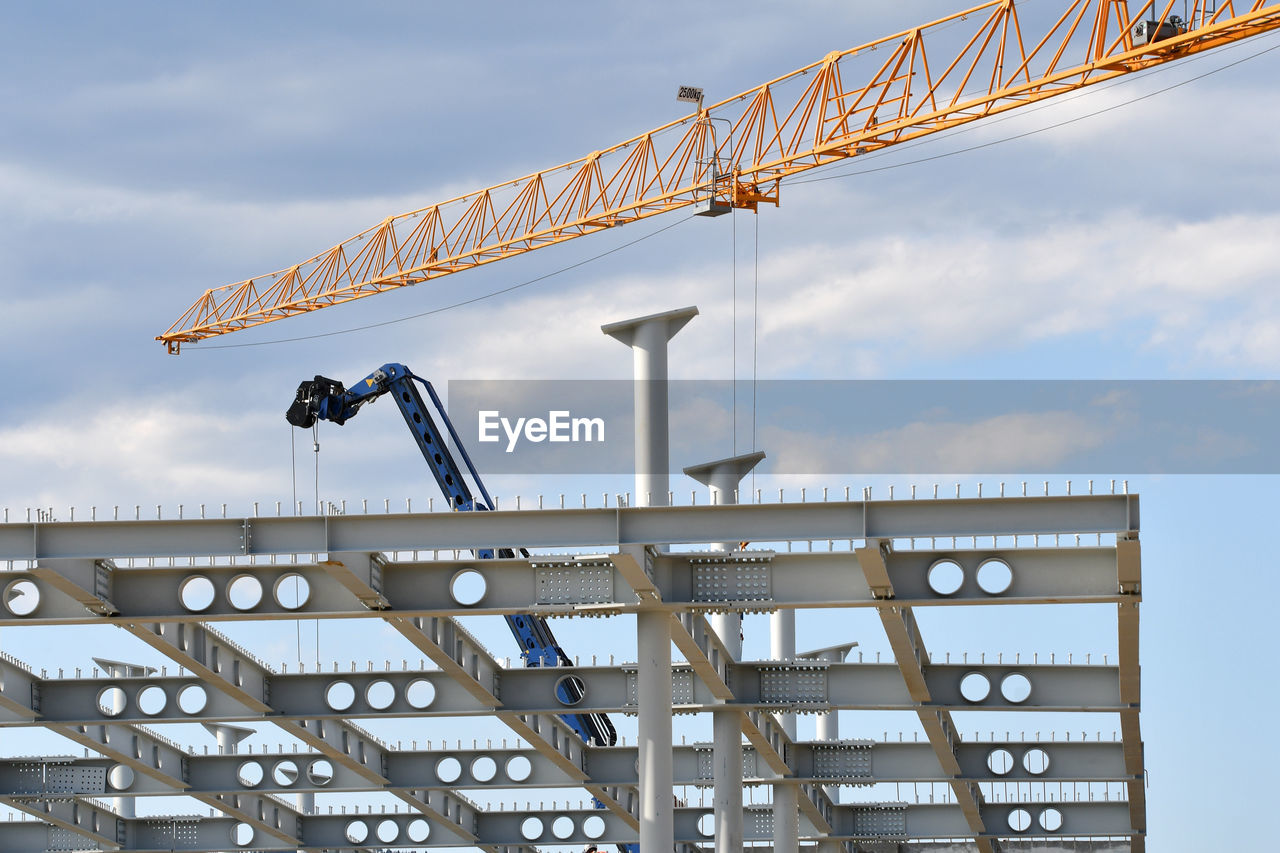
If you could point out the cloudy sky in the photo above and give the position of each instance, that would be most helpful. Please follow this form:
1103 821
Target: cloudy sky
152 150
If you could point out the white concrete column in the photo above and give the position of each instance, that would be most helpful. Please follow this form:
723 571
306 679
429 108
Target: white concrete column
786 818
722 477
124 806
657 768
782 646
648 337
726 757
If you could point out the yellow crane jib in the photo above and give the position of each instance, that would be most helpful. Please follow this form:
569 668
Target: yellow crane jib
737 153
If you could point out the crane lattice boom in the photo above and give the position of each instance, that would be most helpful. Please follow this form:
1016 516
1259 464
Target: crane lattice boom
737 152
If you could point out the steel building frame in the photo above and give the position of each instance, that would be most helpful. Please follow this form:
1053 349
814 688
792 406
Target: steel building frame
403 569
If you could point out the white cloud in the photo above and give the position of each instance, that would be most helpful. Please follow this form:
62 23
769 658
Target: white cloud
979 290
1016 441
134 451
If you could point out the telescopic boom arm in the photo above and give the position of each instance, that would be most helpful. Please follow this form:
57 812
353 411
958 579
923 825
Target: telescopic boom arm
323 399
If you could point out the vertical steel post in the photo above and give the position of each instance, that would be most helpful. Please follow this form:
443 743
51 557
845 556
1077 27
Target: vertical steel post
722 477
648 337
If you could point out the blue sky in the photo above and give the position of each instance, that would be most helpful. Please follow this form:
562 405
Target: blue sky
152 150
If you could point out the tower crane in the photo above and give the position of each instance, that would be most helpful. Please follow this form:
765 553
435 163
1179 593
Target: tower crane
737 153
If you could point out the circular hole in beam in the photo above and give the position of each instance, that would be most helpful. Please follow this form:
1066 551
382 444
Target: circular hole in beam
1036 761
994 576
340 695
242 834
483 769
531 828
518 768
357 831
945 577
1050 820
707 825
1019 820
1015 687
418 830
291 591
562 827
244 592
570 690
449 770
121 777
22 597
420 693
593 827
285 773
468 587
111 701
320 772
1000 761
388 830
152 699
380 694
192 699
250 774
975 687
196 593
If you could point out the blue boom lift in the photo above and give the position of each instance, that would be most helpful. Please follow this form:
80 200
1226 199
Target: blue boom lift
323 399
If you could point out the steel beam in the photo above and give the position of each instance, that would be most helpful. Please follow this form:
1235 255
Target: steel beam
816 763
736 581
582 528
869 823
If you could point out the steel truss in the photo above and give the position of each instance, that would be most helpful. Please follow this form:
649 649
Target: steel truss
404 569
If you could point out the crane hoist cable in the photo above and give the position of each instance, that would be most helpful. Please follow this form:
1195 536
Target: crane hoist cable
851 103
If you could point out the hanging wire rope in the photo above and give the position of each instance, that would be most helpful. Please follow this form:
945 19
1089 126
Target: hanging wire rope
733 371
293 465
315 445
